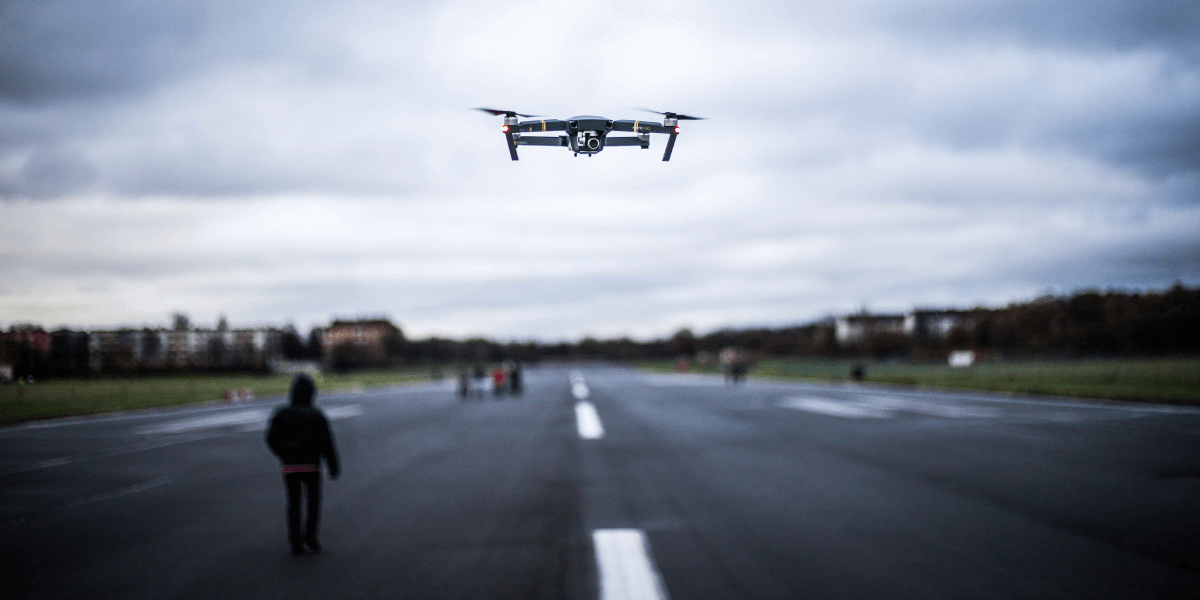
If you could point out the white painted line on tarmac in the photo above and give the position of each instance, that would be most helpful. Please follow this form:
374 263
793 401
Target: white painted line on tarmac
344 411
580 390
125 491
684 379
627 570
835 408
184 431
256 417
128 449
239 417
882 407
588 421
931 407
579 387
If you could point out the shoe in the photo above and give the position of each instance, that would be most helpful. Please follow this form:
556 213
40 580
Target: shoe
298 550
313 545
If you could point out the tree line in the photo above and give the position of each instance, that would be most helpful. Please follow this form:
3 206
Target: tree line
1086 323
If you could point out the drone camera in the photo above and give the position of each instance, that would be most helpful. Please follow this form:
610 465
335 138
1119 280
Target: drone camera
588 141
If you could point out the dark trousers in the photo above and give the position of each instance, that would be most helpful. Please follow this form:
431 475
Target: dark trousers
311 481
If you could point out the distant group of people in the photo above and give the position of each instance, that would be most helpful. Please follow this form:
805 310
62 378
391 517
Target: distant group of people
735 362
505 380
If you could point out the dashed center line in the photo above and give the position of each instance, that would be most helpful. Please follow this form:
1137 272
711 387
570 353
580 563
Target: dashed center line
627 570
588 421
579 387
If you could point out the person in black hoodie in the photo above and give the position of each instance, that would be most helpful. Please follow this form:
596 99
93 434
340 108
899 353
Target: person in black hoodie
299 435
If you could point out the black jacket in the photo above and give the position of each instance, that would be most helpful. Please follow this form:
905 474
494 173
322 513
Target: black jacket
299 435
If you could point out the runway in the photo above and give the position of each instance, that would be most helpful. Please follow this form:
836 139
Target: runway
602 482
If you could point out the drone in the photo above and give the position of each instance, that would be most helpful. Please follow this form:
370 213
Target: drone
587 134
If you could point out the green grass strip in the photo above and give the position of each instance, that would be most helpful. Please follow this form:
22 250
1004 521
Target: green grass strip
1170 380
63 398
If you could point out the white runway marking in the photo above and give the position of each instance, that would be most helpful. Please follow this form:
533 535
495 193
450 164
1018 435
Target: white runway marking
240 417
684 379
931 408
835 408
879 406
125 491
588 421
344 411
580 391
256 418
579 387
626 568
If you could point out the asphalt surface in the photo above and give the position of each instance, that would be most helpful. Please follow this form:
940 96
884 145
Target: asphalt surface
684 487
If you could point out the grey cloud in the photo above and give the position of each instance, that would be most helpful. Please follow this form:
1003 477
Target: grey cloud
49 173
1156 136
1148 120
56 49
67 49
1085 24
1063 24
61 50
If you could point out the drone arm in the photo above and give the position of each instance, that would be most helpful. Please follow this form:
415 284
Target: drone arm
626 141
640 126
542 140
540 125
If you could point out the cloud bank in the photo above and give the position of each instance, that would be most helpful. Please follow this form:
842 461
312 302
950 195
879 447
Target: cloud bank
296 161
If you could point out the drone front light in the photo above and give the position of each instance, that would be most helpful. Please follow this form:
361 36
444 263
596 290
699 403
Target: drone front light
504 128
676 130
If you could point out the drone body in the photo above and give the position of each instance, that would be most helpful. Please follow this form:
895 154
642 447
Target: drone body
586 134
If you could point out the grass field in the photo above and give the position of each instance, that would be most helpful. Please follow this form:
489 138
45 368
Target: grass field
62 398
1156 380
1175 380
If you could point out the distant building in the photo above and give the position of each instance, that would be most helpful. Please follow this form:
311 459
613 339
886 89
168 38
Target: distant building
195 349
929 325
68 352
919 325
24 350
856 328
372 342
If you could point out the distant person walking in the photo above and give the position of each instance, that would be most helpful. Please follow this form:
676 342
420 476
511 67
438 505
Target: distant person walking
858 372
514 380
499 378
464 385
300 436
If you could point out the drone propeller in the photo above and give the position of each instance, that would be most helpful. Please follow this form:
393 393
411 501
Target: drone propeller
672 115
507 113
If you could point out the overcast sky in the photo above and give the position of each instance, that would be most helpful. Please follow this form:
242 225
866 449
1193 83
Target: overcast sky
291 162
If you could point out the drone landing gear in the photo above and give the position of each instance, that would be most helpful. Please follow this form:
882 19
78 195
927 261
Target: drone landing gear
670 147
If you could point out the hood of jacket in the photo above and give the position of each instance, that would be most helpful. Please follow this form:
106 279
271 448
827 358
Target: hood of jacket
303 391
